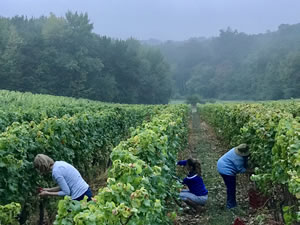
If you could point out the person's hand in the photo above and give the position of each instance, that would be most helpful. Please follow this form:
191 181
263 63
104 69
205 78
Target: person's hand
40 189
184 188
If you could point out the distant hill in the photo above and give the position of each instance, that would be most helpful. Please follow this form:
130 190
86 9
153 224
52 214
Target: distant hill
237 66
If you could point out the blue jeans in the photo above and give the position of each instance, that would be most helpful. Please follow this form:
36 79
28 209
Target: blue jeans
186 194
230 182
88 193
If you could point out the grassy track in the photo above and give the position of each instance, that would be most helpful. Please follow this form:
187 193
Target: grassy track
205 146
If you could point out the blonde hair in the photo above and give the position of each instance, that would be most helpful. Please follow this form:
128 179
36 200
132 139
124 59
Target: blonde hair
43 163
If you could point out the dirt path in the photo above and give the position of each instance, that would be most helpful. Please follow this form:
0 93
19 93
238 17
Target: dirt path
207 148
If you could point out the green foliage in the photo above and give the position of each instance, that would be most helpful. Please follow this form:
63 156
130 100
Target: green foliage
62 56
289 216
9 213
140 181
237 66
21 107
272 131
90 133
286 155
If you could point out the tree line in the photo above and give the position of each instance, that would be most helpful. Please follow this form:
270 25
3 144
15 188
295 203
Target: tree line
63 56
237 66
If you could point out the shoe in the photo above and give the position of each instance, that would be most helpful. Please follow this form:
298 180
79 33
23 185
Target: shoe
188 210
201 209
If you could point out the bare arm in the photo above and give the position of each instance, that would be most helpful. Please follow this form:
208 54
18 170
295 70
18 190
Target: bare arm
48 193
54 189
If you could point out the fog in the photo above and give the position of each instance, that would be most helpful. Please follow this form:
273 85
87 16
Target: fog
166 19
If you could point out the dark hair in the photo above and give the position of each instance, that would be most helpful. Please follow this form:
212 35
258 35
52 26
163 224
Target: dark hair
195 166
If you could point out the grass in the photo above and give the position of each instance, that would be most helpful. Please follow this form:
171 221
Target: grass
216 212
208 150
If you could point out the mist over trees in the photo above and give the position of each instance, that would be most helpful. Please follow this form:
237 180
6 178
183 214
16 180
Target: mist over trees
238 66
62 56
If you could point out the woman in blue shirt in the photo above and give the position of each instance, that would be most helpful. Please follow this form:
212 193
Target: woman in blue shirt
65 175
196 195
230 164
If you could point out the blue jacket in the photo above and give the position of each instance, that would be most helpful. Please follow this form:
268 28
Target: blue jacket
231 163
193 181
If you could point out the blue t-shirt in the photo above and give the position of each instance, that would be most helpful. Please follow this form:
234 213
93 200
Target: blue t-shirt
69 180
193 181
231 163
195 184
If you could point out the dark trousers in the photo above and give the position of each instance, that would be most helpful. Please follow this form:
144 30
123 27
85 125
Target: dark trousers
88 193
230 182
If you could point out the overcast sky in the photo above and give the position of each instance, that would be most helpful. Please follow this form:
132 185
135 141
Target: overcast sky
166 19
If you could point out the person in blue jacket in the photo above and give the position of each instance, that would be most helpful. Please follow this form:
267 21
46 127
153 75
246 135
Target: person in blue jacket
196 195
229 165
65 175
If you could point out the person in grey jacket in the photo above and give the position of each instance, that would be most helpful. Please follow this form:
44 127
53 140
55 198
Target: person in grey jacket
65 175
229 165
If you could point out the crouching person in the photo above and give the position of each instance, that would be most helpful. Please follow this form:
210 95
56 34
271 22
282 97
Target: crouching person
196 195
65 175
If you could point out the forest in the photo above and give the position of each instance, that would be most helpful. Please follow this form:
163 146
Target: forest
63 56
237 66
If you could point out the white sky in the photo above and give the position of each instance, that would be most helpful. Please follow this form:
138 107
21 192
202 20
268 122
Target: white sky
166 19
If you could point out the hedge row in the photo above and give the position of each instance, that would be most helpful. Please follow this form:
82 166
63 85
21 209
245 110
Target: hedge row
140 184
273 133
85 140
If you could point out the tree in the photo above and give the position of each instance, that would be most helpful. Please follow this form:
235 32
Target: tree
62 56
9 69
